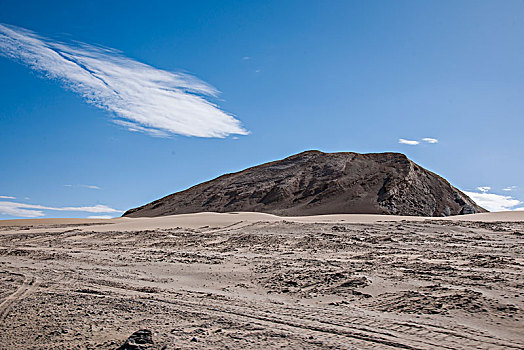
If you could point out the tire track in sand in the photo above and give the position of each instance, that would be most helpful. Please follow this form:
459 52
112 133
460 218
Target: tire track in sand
28 286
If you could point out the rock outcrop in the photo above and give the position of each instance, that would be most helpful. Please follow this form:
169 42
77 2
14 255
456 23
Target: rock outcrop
313 183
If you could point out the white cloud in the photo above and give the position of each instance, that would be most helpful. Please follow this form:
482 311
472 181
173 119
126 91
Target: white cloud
11 209
142 98
92 187
35 210
408 142
510 188
7 197
415 142
494 202
429 140
484 189
246 58
519 209
100 217
99 208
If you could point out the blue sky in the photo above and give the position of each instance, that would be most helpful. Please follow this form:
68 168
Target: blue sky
251 82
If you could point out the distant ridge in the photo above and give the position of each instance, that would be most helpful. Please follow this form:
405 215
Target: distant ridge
315 183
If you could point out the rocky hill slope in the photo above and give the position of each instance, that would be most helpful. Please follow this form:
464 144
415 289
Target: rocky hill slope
313 183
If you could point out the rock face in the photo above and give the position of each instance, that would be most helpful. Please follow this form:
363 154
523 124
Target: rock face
313 183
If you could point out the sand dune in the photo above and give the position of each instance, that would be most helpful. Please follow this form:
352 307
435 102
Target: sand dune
224 219
252 281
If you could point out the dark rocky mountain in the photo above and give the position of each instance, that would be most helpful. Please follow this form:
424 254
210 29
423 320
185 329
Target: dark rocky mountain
313 182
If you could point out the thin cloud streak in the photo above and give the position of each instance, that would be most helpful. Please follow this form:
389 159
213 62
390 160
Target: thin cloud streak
429 140
35 210
92 187
7 197
142 98
408 142
415 142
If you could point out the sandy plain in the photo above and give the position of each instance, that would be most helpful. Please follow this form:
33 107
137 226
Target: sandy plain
258 281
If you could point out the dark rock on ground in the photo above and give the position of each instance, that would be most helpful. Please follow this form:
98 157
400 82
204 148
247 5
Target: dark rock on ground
314 183
140 340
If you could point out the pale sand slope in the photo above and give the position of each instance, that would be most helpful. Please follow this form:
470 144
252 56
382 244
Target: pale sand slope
226 219
252 280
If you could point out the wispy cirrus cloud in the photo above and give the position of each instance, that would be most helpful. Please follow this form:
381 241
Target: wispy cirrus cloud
35 210
7 197
416 142
142 98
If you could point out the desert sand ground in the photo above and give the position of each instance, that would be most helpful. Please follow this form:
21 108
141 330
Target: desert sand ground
251 281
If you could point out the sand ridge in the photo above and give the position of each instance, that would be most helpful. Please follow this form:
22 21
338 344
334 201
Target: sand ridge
195 220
